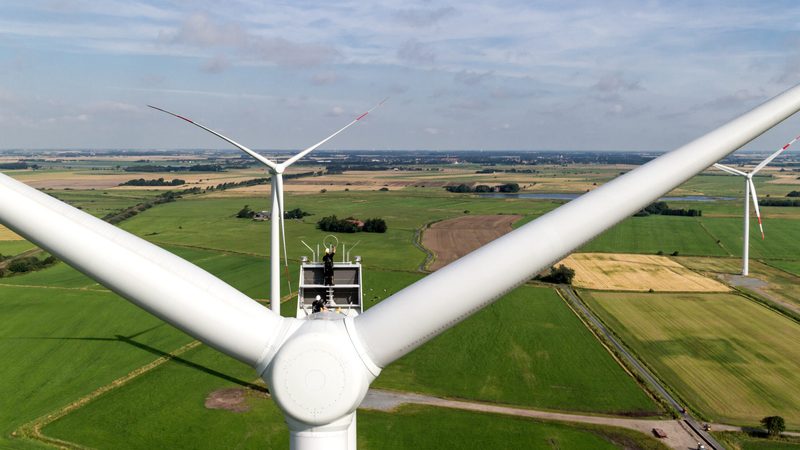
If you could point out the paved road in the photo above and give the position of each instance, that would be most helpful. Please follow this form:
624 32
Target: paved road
570 295
678 434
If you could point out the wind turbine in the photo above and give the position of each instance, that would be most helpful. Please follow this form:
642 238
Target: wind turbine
319 369
276 224
750 190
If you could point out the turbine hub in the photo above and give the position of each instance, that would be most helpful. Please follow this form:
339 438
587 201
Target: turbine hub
317 376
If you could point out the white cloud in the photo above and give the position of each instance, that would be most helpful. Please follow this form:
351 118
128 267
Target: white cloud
416 52
199 30
419 17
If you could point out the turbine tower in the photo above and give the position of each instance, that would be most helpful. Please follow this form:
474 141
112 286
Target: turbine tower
276 171
750 192
319 369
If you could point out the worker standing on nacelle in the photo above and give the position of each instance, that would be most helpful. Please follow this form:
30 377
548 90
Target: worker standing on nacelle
327 260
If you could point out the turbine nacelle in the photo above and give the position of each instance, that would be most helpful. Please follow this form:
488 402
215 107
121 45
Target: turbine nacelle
318 376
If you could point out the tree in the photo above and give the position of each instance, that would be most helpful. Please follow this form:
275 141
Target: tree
376 225
508 187
559 275
246 213
296 213
775 425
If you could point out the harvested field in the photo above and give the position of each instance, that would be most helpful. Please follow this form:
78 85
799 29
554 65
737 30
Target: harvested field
626 272
8 235
454 238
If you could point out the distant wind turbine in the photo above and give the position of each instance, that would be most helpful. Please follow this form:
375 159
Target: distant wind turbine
277 226
750 191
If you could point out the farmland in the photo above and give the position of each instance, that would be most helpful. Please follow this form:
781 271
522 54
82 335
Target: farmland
730 358
528 349
621 272
8 235
454 238
516 343
164 409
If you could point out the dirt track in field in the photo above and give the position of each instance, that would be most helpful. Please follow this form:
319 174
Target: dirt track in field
454 238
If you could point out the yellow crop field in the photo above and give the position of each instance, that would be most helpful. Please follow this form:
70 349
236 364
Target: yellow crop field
8 235
626 272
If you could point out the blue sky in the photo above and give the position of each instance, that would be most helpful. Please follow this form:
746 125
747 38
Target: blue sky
562 75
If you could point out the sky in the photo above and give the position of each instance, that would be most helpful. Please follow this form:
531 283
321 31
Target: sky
502 75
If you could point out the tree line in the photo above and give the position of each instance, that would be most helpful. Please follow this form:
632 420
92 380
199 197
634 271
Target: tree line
662 209
769 201
351 225
297 213
154 182
482 188
25 264
119 216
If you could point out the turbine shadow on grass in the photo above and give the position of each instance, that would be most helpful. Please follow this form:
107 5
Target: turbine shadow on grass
177 359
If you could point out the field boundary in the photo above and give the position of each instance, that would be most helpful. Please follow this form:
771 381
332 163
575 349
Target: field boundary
711 235
33 429
430 256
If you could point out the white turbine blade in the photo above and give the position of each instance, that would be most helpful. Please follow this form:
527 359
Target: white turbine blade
729 170
260 158
774 155
413 316
755 206
167 286
294 158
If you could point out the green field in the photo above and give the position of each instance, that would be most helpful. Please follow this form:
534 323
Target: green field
164 409
743 441
652 234
100 203
537 344
781 240
774 284
9 248
189 222
788 266
728 358
527 349
64 343
733 360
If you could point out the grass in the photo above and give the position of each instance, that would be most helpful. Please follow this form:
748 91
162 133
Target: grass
99 203
788 266
9 248
410 427
781 237
527 349
58 344
652 234
744 441
164 409
188 222
776 285
733 360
